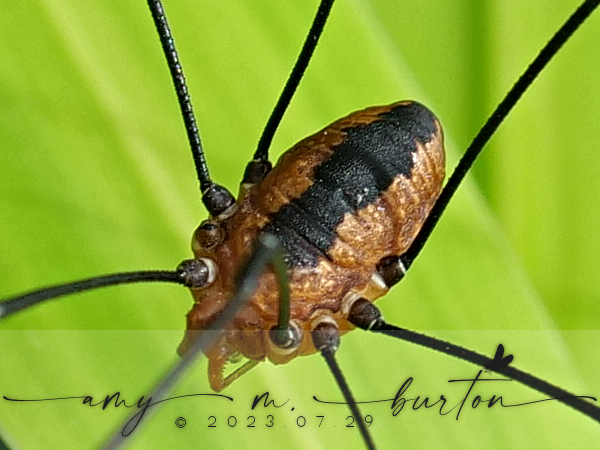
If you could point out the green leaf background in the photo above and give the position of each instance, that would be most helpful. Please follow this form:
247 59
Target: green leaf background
96 177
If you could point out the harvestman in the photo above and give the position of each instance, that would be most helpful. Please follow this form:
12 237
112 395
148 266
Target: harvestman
406 263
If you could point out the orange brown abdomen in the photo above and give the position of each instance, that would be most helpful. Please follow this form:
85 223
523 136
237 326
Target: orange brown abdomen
339 202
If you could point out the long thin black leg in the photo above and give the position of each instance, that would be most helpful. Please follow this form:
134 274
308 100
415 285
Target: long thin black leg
216 198
494 121
367 316
183 96
312 39
193 273
21 302
326 338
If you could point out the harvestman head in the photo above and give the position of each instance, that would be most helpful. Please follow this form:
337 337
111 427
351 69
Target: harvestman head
200 272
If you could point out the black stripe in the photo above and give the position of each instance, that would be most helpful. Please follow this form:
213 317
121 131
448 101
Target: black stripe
299 252
306 224
359 170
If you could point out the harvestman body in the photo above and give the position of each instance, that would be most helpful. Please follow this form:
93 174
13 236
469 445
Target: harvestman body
340 202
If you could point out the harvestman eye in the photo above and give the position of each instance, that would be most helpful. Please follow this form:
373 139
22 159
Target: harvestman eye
310 243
